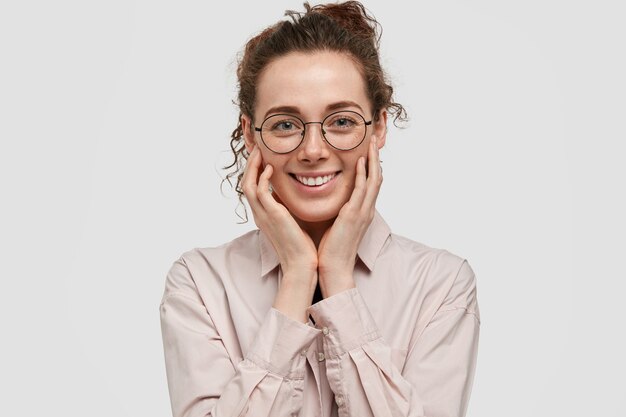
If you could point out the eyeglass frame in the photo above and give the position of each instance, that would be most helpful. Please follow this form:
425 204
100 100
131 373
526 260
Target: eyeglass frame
303 134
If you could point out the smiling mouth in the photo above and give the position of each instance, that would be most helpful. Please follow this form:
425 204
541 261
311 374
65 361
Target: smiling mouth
314 181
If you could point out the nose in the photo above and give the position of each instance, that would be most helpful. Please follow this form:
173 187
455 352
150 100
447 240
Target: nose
314 147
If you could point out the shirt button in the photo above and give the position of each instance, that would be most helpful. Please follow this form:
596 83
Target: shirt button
303 353
320 356
325 331
339 401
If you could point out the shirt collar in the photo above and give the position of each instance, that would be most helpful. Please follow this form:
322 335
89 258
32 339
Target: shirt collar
369 248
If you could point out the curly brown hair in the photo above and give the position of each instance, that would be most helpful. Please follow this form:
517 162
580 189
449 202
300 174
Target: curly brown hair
344 27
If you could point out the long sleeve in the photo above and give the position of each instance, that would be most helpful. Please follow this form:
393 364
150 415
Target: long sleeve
437 376
203 379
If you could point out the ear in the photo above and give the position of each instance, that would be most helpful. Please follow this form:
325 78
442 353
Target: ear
379 128
248 133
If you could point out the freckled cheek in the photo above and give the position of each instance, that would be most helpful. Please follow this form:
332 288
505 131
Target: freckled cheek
276 163
350 180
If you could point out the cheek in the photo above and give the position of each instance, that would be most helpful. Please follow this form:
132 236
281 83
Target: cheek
351 176
354 165
269 158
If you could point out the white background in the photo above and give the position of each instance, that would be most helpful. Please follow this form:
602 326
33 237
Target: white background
115 118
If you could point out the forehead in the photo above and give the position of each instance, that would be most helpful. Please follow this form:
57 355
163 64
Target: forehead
310 82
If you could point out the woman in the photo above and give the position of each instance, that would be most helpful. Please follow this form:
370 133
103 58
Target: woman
322 311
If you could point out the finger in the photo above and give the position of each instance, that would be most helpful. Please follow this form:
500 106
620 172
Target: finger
256 166
263 192
373 161
249 182
248 174
374 179
360 185
250 166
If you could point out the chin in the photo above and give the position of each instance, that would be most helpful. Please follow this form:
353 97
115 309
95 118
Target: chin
314 217
313 213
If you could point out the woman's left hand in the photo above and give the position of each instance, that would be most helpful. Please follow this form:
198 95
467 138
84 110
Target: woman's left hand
338 247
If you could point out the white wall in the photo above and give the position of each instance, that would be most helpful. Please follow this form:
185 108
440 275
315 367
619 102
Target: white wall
115 117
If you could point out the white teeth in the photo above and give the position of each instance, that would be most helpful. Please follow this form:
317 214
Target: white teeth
310 181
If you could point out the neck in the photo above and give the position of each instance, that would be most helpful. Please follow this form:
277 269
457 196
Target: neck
315 229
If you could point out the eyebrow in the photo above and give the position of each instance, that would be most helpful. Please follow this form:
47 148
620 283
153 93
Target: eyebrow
296 110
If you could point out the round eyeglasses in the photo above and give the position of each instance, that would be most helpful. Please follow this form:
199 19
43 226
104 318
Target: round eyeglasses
343 130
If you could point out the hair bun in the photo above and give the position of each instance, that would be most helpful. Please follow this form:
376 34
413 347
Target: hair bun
351 15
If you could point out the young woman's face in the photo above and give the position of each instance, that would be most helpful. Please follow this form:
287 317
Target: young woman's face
311 86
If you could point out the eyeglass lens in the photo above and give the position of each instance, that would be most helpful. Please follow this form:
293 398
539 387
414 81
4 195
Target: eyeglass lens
283 133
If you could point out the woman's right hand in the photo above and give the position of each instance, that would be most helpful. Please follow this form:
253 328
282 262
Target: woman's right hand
295 248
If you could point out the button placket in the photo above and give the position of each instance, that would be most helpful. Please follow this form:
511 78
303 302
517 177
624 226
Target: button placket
322 346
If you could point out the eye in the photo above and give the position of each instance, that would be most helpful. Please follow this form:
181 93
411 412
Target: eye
286 125
342 122
283 124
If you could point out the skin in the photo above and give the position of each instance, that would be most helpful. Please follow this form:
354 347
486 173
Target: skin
315 237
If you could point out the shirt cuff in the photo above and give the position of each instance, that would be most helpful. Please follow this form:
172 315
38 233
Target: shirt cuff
345 321
280 345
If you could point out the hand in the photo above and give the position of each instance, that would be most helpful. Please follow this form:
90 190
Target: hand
294 247
338 247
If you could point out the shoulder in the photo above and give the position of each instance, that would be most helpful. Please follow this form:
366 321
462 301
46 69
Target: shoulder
419 255
443 277
231 253
200 268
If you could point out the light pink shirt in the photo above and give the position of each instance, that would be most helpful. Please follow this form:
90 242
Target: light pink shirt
404 342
